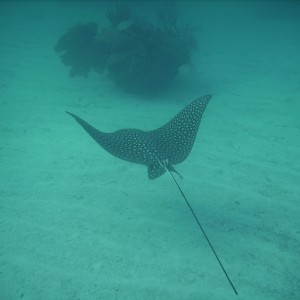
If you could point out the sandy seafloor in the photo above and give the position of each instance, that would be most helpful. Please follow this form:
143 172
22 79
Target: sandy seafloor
78 223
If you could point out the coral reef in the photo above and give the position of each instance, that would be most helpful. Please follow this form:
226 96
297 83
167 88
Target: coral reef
139 56
77 48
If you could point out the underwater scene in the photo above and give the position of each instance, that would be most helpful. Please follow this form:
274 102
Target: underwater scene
150 150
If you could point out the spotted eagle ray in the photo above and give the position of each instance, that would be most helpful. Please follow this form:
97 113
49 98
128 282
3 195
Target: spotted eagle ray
158 149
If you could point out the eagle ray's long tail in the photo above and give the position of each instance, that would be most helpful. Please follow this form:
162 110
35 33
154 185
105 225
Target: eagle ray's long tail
200 226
